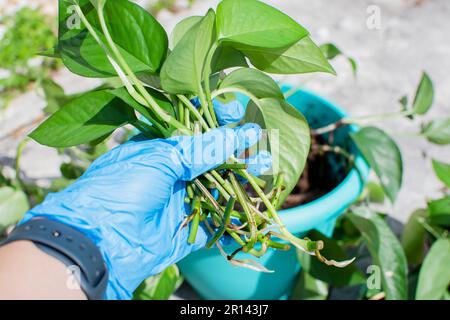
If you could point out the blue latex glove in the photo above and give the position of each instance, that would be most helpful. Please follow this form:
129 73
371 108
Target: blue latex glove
130 201
227 113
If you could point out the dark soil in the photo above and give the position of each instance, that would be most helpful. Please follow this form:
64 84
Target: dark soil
315 181
323 172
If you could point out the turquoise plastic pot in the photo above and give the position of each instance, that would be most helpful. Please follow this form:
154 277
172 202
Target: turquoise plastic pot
214 278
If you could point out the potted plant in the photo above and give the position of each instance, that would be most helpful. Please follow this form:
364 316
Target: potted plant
225 54
318 207
394 262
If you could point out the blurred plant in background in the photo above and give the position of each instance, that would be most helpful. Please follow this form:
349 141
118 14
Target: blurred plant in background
26 33
156 6
393 262
17 194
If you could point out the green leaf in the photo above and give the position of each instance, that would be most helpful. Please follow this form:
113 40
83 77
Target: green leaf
289 137
331 51
182 71
446 295
159 287
302 57
413 237
434 276
98 3
345 231
424 95
59 184
55 96
404 104
50 53
13 205
442 171
182 28
227 57
439 211
353 64
144 51
84 119
337 277
3 180
386 252
375 192
71 171
160 99
163 130
254 81
438 131
309 288
383 155
251 23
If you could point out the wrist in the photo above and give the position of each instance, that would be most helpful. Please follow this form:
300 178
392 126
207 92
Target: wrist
69 246
26 272
106 241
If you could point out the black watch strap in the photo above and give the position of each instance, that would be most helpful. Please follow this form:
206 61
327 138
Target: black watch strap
71 247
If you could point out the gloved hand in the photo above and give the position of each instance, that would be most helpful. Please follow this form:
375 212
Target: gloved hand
130 201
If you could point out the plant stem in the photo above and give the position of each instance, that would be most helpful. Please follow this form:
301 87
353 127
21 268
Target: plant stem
232 166
205 107
190 191
259 181
19 153
116 67
278 245
429 228
180 111
259 213
187 118
361 121
163 115
206 75
218 185
328 128
261 252
225 183
234 90
279 187
146 129
379 117
334 149
195 221
194 111
250 218
226 221
305 245
209 196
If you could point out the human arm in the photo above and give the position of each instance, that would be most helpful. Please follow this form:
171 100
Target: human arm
130 202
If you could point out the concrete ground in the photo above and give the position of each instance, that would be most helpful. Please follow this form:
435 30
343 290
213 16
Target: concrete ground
411 36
